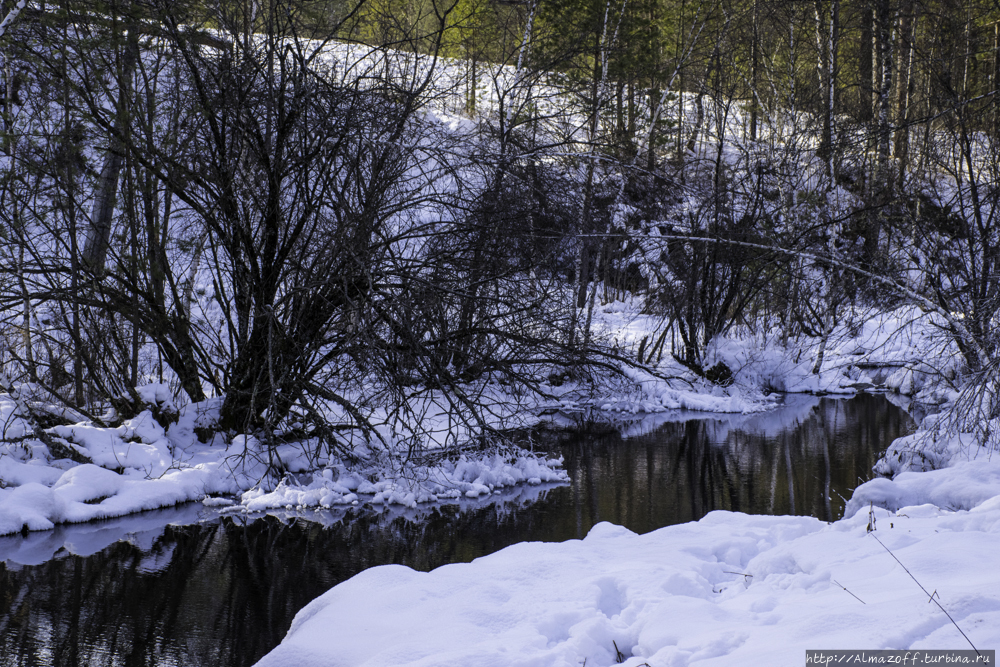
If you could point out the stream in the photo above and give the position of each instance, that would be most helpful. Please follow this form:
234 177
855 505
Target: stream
191 586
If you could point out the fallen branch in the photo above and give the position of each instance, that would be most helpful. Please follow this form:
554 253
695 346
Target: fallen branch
932 597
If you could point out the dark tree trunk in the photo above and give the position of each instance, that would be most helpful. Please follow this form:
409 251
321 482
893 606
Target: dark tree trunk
95 249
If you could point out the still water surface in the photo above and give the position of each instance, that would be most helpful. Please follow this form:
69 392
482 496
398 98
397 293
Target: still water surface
185 586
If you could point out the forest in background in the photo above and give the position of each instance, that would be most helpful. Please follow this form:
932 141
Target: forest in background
323 213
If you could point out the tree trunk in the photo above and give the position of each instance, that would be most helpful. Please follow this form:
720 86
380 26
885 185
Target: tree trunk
654 101
824 72
904 88
699 103
825 332
12 16
866 64
29 353
69 191
586 221
754 72
995 87
95 249
884 117
470 106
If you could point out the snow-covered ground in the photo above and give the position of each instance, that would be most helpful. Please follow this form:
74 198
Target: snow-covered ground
731 589
902 350
141 465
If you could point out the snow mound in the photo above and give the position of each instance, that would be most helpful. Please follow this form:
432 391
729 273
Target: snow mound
89 492
12 427
136 467
731 589
961 486
469 476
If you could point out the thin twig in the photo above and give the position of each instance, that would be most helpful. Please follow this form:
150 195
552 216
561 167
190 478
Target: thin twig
849 592
746 577
931 596
619 656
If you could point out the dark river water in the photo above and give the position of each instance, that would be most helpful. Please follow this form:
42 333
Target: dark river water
186 586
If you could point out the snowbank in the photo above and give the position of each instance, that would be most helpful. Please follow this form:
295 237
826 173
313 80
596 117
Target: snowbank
45 496
88 492
900 351
962 486
730 589
141 466
470 477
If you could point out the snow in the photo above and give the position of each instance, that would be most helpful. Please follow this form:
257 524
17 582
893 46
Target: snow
12 426
140 466
88 492
729 589
468 476
901 351
85 539
963 486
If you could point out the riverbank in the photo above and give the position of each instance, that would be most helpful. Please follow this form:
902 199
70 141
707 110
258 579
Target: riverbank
728 589
158 458
911 566
224 568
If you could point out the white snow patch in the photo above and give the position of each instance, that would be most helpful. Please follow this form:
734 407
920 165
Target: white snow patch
469 476
730 589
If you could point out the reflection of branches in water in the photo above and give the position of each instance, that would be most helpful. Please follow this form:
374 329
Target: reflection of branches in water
686 469
227 591
101 609
783 462
15 604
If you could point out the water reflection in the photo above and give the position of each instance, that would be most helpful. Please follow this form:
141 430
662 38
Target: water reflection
803 459
222 591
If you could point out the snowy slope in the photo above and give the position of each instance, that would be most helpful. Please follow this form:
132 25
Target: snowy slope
731 589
